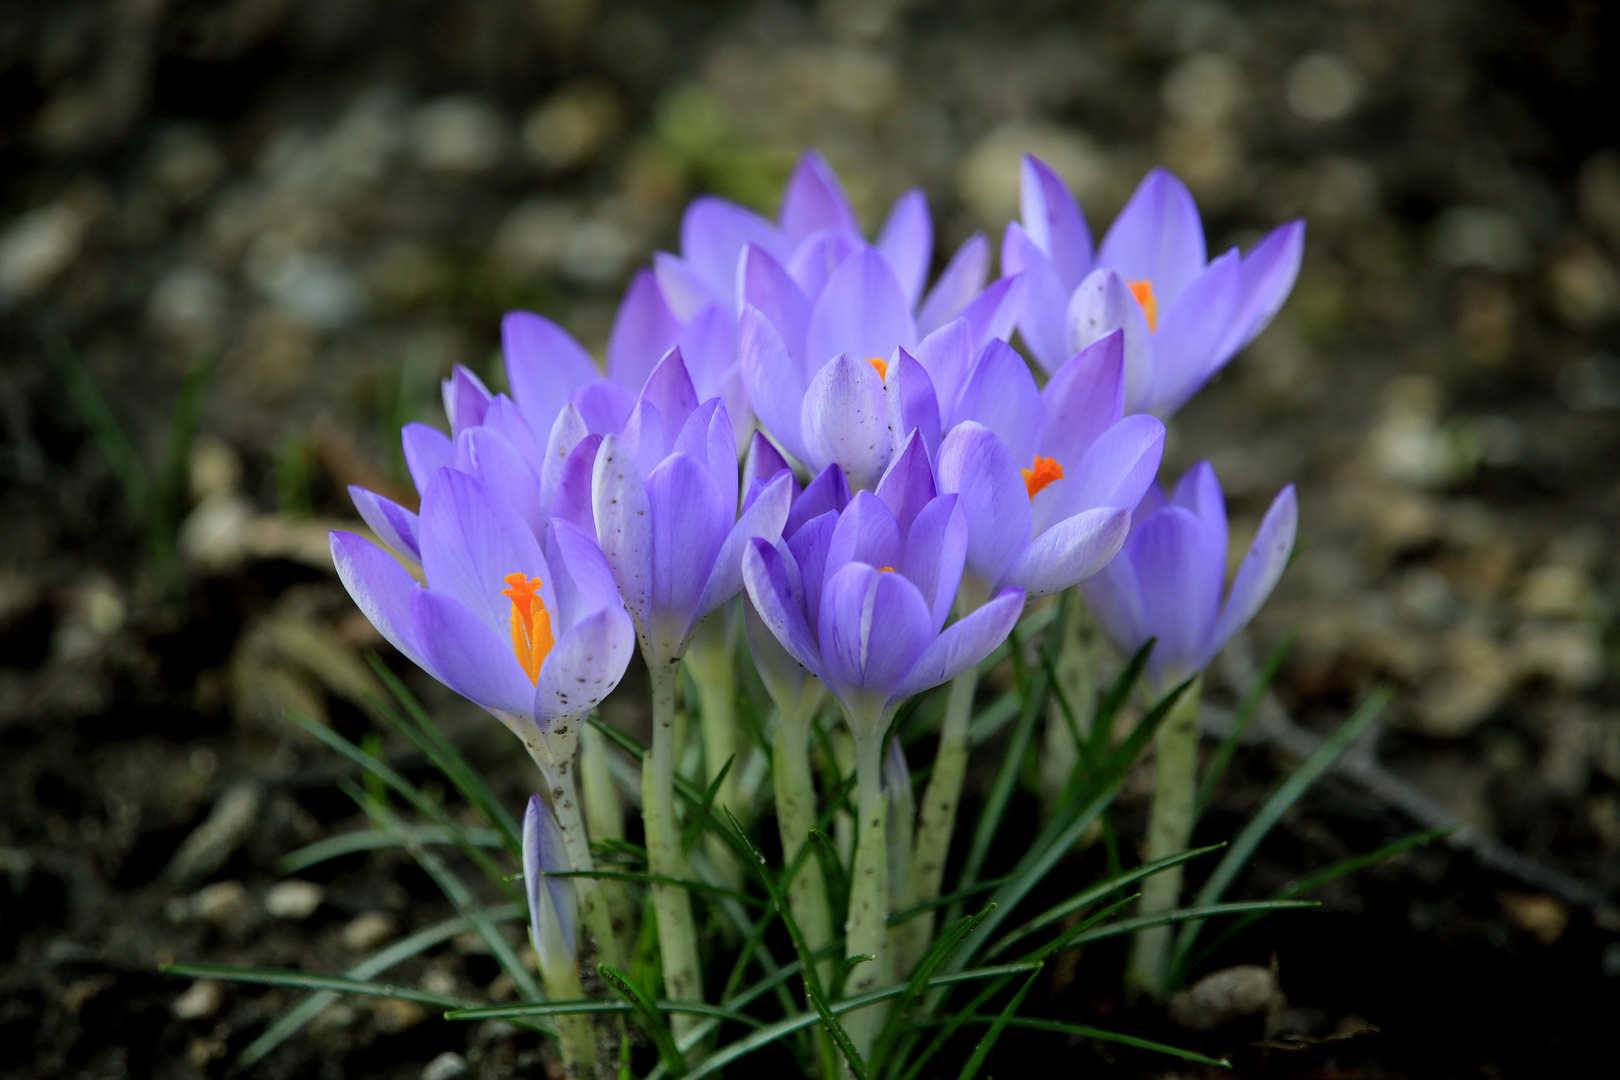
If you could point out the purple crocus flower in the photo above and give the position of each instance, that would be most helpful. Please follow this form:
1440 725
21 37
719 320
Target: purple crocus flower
1166 582
1184 316
1047 477
553 915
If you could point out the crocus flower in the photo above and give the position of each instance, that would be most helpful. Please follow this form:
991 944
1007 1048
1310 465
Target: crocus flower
552 905
1047 477
1167 581
1184 316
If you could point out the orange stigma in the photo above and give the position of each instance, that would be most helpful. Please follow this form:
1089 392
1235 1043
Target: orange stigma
1143 291
1044 472
531 623
885 569
879 365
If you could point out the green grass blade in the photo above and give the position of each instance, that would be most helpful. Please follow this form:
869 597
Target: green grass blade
971 1068
1188 915
1276 804
833 874
694 827
1114 699
1242 717
334 847
1084 1032
597 1005
300 980
169 495
653 1020
109 434
937 954
689 884
895 918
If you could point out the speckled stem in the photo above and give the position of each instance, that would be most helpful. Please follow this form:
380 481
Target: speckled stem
677 938
795 817
866 931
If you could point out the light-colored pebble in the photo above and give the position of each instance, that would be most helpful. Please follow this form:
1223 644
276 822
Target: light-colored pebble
224 904
368 930
201 1000
293 899
447 1066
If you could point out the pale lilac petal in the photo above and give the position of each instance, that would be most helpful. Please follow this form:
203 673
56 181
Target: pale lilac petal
1000 393
714 234
544 364
569 430
814 199
761 465
465 399
1084 398
623 520
907 241
469 656
767 285
572 499
845 420
1199 490
908 395
707 437
765 575
643 433
1185 347
551 900
1180 597
427 450
394 525
908 485
936 552
1069 551
874 627
685 291
829 491
381 589
1043 301
861 312
689 524
1115 471
643 331
508 480
505 417
583 667
1269 270
1262 567
866 532
1054 221
604 404
671 391
1113 596
741 414
762 520
963 644
959 283
810 546
585 581
772 381
818 257
947 355
1158 237
975 465
708 347
1101 305
470 543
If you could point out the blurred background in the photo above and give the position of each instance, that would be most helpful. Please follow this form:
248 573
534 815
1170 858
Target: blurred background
241 241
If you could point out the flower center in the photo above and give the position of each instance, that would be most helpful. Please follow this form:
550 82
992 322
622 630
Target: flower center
531 623
1143 291
879 365
1044 472
885 569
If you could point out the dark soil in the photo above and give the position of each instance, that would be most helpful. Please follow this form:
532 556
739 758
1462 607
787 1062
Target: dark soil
338 199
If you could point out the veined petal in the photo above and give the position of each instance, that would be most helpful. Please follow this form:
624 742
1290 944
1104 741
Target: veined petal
963 644
394 525
767 285
684 289
1053 219
584 666
552 900
762 464
1043 303
814 199
958 283
974 464
737 409
762 520
861 312
1180 599
568 431
690 519
643 331
572 499
714 233
1185 348
845 420
866 532
671 390
766 577
544 364
604 404
829 491
623 520
1264 564
707 437
908 396
1158 237
936 552
1115 471
470 543
585 581
382 590
465 399
994 312
947 356
1069 551
643 434
908 485
874 627
508 479
708 347
809 547
1000 393
506 419
1114 597
1269 270
427 450
817 258
907 241
467 655
772 381
1101 305
1199 490
1083 399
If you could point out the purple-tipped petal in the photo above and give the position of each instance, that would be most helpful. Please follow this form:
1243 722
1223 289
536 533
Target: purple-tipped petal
584 666
672 389
874 627
845 420
707 437
1199 490
1185 347
974 464
552 914
1054 221
381 588
767 285
909 399
947 356
467 655
1180 596
1269 270
643 331
466 398
506 419
761 521
762 464
908 485
471 543
994 312
584 578
508 479
1115 471
866 532
1158 237
963 644
936 552
907 241
766 577
818 257
829 491
1000 393
1262 567
1101 305
1083 399
814 199
959 283
689 523
394 525
1114 597
568 432
861 312
772 381
714 234
1043 300
572 499
544 364
685 291
708 347
623 522
810 548
427 450
1069 551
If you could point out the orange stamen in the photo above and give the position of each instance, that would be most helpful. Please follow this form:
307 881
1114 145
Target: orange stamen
1046 470
885 569
531 623
1143 291
879 365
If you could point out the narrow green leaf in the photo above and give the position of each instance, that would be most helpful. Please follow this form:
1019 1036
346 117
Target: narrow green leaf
1114 699
1084 1032
169 502
653 1020
936 954
833 873
904 914
334 847
301 980
971 1068
845 968
1180 915
689 884
694 827
1242 717
597 1005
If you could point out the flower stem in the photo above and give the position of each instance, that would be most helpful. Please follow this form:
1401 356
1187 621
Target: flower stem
1076 669
604 814
866 931
593 903
711 659
795 817
677 938
574 1031
1170 821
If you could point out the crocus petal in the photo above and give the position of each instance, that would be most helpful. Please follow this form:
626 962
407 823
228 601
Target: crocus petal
810 546
907 241
1054 221
908 396
975 464
394 525
506 419
1199 490
508 479
845 420
643 330
685 291
866 532
427 450
762 520
1269 270
604 404
1115 471
707 437
1069 551
814 199
936 552
689 523
1158 237
551 900
1043 300
963 644
829 491
467 655
1180 598
772 381
708 348
582 571
959 283
1113 595
1185 347
761 464
584 666
908 485
643 434
544 364
470 543
741 414
1262 566
1084 398
765 575
788 682
714 234
381 588
874 627
1000 393
818 257
1101 305
566 433
672 389
623 524
947 355
994 312
861 312
766 284
572 499
465 399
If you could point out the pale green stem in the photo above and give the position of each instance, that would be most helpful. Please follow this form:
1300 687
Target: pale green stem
597 920
604 813
795 817
1170 822
1076 678
712 661
677 938
936 817
574 1031
866 931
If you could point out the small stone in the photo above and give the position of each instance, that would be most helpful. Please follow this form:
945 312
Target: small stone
439 981
212 842
188 307
447 1066
1585 286
201 1000
394 1016
571 127
1543 917
1203 89
225 904
36 247
1480 236
460 135
1224 996
337 1017
368 930
1322 86
1571 655
294 899
1555 592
